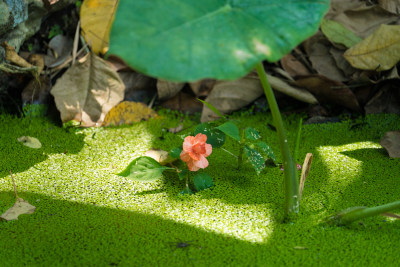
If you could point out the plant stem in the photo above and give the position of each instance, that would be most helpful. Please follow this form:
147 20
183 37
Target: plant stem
241 146
357 213
227 151
291 181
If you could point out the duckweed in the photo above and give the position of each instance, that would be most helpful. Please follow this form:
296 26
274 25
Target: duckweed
88 216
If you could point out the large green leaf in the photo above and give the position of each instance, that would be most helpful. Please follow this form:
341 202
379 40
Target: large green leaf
144 169
223 39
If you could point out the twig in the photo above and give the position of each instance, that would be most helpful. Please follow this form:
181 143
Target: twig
15 187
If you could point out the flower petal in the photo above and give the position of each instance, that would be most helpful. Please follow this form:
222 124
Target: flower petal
200 138
185 156
194 156
188 143
202 162
208 150
192 167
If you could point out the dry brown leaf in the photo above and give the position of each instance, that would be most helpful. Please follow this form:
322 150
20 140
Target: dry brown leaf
393 6
304 172
203 87
329 91
386 100
21 206
292 91
37 91
379 51
29 141
13 57
167 89
127 113
391 142
87 91
342 64
228 96
293 66
359 16
96 20
183 102
318 51
59 49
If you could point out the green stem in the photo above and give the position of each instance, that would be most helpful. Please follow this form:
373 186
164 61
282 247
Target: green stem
241 147
357 213
291 181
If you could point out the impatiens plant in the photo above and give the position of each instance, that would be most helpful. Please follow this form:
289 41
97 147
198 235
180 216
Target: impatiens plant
194 151
222 39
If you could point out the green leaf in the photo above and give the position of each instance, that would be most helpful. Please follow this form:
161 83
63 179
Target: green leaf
339 34
175 152
255 158
215 137
266 149
144 169
214 109
222 39
202 181
251 134
230 129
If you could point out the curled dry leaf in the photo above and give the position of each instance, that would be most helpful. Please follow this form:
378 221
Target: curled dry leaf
13 57
295 92
329 91
127 113
379 51
20 206
391 142
29 141
392 6
87 91
96 21
60 48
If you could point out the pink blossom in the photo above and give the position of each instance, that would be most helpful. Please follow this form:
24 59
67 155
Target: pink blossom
195 150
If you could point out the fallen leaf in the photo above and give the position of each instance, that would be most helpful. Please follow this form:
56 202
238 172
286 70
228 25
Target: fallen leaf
59 49
342 64
183 102
391 142
304 172
329 91
392 6
203 87
87 91
37 91
20 207
160 156
386 100
318 51
167 89
138 87
359 16
337 33
293 66
13 57
379 51
97 17
127 113
293 91
29 141
228 96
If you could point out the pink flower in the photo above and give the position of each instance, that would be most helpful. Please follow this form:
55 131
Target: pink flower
195 150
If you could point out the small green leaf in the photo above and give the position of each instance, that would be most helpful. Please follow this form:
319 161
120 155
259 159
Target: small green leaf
339 34
255 158
214 109
215 137
251 134
186 191
266 149
202 181
175 152
144 169
230 129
